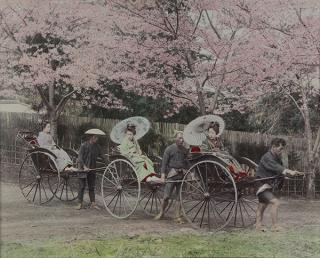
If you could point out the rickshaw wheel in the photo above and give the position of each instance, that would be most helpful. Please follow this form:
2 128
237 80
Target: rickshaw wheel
208 195
152 194
120 188
151 198
37 169
245 212
67 189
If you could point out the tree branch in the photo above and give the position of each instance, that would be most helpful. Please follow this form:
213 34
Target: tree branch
213 104
212 27
153 23
22 19
63 102
177 20
182 97
294 101
166 22
44 98
316 146
197 24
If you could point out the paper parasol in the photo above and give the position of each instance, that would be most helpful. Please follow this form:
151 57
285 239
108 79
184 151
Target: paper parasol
195 132
118 132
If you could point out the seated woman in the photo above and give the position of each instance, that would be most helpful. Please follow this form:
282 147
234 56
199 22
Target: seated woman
212 143
45 140
130 149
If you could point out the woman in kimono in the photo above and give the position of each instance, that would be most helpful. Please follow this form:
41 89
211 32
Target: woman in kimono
45 140
212 143
131 150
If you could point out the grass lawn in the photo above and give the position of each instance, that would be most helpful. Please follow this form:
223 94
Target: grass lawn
245 243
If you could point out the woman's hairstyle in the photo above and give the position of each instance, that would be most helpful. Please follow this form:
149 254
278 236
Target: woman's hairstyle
215 127
131 128
44 123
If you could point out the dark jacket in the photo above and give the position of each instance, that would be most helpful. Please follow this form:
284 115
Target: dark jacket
88 155
270 165
174 157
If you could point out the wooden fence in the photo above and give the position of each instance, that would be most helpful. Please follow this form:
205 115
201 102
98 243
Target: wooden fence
71 130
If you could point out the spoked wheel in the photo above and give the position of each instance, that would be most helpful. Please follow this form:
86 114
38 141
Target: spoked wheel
152 197
120 188
245 211
208 195
67 190
37 169
152 194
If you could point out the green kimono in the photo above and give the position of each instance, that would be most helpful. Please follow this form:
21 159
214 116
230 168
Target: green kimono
131 150
221 153
207 146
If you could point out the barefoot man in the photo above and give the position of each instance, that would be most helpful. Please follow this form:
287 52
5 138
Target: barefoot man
174 164
271 165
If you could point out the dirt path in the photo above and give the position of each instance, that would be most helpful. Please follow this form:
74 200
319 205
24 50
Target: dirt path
24 222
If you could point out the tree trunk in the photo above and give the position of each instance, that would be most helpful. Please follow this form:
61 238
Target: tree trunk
214 102
200 98
198 85
308 134
54 110
54 126
52 114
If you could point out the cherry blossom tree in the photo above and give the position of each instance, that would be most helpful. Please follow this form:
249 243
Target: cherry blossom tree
45 45
192 52
290 64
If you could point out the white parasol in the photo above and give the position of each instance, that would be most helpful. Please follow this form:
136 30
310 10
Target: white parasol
195 132
141 124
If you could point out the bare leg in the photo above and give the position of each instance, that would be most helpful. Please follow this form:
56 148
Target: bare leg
163 208
178 210
82 185
275 203
260 212
179 216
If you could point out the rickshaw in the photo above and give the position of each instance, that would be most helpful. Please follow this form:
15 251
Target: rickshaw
39 179
218 190
121 190
212 194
